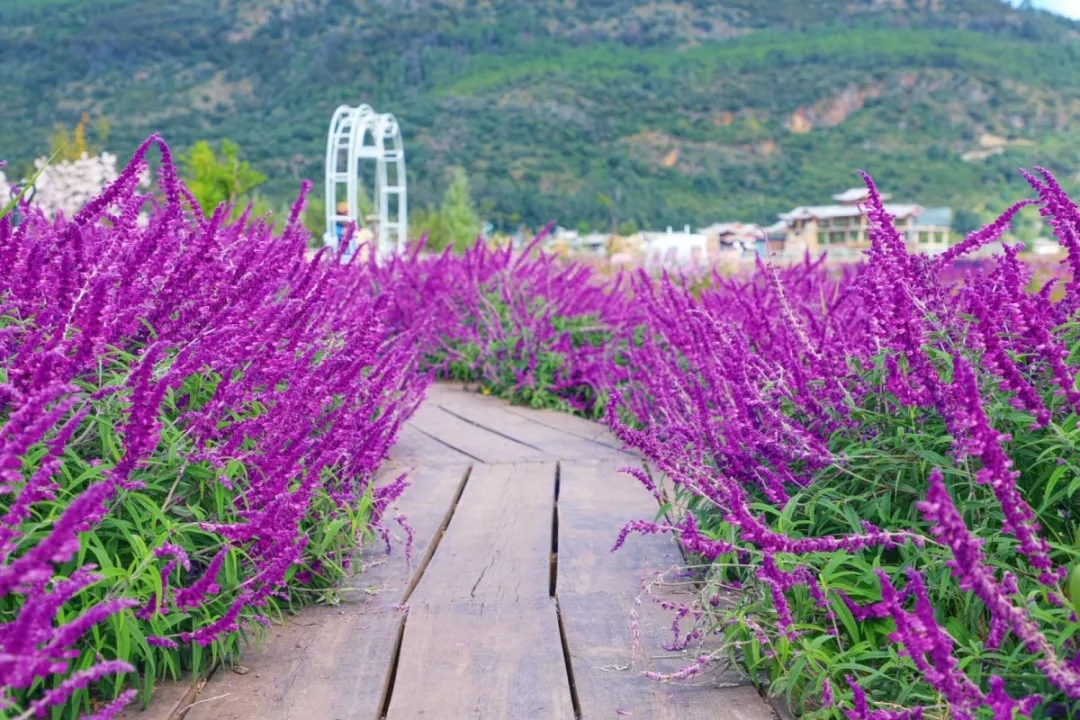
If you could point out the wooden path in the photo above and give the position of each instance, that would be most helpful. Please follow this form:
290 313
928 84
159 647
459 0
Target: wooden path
513 607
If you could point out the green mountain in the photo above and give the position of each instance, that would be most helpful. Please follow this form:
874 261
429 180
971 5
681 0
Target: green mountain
688 111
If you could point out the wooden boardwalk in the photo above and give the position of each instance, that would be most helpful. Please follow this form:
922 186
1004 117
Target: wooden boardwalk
513 607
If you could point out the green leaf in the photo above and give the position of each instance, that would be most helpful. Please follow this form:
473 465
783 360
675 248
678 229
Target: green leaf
1048 494
14 203
1074 589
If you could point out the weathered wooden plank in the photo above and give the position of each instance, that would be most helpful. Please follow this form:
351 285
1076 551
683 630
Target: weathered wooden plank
597 590
561 421
607 668
498 545
335 662
427 506
473 441
595 501
496 661
169 701
348 650
573 424
413 448
493 415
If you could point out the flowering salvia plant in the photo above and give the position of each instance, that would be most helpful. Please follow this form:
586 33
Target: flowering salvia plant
522 324
882 461
879 460
193 416
64 187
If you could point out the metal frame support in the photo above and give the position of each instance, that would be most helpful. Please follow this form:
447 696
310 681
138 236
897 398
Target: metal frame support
360 134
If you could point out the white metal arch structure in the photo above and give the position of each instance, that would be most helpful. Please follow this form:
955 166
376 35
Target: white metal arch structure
360 134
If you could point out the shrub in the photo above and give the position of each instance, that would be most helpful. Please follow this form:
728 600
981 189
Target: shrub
879 458
217 181
524 325
193 416
882 464
454 224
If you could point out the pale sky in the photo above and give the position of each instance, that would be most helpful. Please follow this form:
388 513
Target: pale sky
1069 8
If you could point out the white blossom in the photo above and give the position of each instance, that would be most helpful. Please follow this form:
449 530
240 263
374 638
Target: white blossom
64 187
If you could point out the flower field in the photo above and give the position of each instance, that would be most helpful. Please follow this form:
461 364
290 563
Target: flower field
872 468
193 419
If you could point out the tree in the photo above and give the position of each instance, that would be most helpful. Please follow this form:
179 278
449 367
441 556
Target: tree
76 170
966 221
455 223
72 146
314 219
458 218
214 181
64 187
1028 226
609 205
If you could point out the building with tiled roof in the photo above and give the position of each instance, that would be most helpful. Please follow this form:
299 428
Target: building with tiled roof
841 229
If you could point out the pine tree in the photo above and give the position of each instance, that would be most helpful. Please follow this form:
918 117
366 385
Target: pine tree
458 220
454 223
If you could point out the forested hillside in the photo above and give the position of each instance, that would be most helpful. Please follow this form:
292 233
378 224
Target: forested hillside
660 113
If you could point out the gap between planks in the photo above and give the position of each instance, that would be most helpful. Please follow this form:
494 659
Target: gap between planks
448 445
472 440
483 636
612 633
563 642
488 660
388 688
498 548
346 667
563 436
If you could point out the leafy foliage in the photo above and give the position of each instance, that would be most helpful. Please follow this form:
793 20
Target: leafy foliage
549 107
522 325
457 217
218 181
871 465
193 416
455 223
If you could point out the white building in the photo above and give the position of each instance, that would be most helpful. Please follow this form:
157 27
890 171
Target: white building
594 244
842 229
672 250
573 241
734 237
